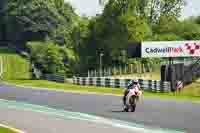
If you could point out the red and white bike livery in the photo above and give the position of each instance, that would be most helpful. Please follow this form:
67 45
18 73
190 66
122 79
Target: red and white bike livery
132 98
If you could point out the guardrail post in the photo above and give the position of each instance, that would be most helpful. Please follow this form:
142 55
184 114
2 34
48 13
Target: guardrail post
84 81
87 81
121 83
158 86
103 82
95 81
153 85
78 81
127 81
90 81
107 82
98 81
149 85
112 84
162 87
117 83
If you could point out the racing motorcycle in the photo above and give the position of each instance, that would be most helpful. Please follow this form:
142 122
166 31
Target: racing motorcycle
132 99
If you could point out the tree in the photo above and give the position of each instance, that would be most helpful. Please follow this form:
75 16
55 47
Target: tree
118 25
153 9
156 8
189 30
197 20
37 19
52 59
111 32
3 19
161 27
80 32
166 37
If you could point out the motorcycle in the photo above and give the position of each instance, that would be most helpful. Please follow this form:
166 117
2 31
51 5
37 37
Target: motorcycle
131 99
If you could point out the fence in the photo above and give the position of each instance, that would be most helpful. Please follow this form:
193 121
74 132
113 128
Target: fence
148 85
122 70
56 78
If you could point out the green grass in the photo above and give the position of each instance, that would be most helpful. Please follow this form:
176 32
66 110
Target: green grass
5 130
192 90
186 95
14 66
67 87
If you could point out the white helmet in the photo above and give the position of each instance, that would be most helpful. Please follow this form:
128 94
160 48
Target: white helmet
135 81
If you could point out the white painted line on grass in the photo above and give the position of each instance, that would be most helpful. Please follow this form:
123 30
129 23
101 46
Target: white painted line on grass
11 128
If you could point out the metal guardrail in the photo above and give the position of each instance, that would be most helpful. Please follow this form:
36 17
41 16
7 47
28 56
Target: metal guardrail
56 78
148 85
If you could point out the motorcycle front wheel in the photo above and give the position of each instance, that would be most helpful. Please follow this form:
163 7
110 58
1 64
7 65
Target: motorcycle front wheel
126 109
133 107
132 102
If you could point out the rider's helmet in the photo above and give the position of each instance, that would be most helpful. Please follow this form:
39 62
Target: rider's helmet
132 82
135 81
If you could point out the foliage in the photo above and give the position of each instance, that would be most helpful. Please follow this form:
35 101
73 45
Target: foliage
189 30
50 58
154 9
114 29
36 19
63 42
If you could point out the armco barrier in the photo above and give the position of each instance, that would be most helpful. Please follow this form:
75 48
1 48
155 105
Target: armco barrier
56 78
148 85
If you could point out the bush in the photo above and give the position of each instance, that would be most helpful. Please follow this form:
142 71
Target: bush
50 58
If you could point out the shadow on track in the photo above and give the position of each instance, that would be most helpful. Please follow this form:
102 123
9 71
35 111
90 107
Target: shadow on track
117 111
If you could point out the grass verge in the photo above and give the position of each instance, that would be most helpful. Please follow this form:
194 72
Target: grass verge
66 87
183 96
14 66
6 130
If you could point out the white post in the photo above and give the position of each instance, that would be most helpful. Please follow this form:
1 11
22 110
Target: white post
131 68
105 72
114 70
95 73
109 69
91 73
101 55
125 70
120 70
88 73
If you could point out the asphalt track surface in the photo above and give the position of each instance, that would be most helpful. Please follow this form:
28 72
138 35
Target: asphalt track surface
156 113
34 122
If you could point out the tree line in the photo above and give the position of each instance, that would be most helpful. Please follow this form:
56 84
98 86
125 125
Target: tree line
62 42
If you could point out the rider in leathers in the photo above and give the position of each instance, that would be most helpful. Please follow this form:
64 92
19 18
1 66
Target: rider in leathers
130 86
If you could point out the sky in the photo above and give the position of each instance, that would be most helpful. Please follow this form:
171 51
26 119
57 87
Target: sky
91 7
